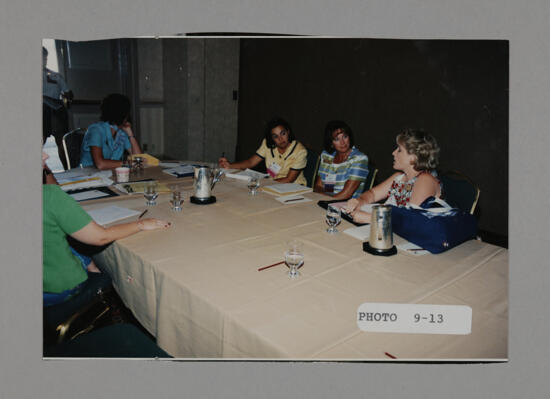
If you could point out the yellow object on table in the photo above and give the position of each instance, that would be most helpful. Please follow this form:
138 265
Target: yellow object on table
149 159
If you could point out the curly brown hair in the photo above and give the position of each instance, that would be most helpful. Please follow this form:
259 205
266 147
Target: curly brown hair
424 146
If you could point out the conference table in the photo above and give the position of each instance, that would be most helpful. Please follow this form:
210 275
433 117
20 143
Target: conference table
196 286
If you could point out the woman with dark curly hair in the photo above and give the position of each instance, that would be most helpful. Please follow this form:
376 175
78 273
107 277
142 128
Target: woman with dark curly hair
285 157
105 142
416 157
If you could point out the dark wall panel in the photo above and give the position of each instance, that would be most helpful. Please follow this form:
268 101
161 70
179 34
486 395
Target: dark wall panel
456 90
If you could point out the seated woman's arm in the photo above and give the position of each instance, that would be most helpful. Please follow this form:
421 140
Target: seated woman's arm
347 191
246 164
425 186
292 175
95 234
127 128
375 194
318 187
100 162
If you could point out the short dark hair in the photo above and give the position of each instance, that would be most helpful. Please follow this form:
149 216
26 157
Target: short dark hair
424 146
115 108
273 123
330 128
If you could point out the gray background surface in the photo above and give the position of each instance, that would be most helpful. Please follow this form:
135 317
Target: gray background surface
24 374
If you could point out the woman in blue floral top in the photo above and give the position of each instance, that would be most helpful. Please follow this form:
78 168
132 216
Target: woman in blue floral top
416 157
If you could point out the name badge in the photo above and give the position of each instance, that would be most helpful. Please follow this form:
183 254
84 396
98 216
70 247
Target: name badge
329 183
273 169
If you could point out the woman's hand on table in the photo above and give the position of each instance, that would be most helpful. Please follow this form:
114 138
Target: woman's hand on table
352 205
224 163
153 224
360 216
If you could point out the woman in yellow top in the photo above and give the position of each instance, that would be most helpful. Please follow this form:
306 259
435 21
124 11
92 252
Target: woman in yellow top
285 158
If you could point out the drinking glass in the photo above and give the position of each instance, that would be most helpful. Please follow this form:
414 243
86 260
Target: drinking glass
294 258
333 218
176 198
253 185
150 193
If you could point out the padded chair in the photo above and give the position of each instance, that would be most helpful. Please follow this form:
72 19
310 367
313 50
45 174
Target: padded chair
117 340
72 142
459 191
310 171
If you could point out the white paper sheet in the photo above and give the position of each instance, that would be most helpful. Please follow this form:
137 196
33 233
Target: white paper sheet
88 195
53 162
246 174
110 214
361 233
412 249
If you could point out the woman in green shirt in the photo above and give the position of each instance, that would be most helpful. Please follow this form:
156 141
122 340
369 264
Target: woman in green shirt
63 271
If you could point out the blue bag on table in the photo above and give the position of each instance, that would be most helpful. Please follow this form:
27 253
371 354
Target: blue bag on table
434 226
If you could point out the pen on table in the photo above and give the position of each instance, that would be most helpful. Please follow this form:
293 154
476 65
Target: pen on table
267 267
143 213
294 199
389 355
415 249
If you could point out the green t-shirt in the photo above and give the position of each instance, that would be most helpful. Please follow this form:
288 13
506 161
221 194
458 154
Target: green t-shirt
62 215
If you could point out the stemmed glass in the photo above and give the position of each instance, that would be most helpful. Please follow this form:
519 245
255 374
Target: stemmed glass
253 185
294 258
176 198
150 193
333 218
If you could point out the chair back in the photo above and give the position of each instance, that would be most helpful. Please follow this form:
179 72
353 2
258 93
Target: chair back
72 142
459 191
369 183
310 171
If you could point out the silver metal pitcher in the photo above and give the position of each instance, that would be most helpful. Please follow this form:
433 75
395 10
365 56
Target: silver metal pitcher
381 236
205 179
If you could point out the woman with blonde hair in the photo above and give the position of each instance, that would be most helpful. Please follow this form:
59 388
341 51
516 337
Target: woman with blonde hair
416 157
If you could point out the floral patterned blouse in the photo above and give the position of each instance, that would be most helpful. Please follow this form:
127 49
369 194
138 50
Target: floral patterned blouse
400 191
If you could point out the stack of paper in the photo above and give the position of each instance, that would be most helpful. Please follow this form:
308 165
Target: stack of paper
139 187
76 179
111 214
286 189
246 174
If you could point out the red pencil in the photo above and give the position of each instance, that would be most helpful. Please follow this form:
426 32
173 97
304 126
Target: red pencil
388 355
267 267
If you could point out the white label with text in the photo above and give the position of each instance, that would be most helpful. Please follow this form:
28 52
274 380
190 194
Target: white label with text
415 318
